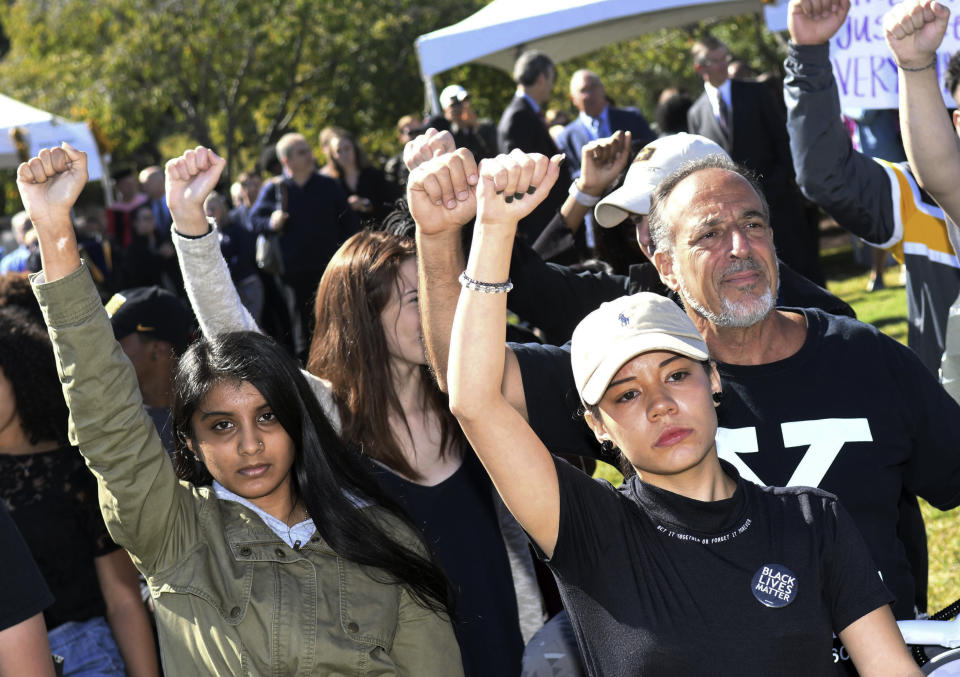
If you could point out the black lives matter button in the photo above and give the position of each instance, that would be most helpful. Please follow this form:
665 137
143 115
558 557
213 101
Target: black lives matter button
774 585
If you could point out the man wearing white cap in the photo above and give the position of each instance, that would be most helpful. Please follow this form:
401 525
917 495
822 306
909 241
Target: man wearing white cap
809 398
468 132
554 299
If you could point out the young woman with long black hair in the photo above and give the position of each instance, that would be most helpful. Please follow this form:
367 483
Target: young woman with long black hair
294 560
367 366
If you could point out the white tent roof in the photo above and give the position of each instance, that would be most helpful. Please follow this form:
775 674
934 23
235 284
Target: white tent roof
43 130
564 29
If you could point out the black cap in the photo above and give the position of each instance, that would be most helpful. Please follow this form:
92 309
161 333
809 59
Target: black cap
152 312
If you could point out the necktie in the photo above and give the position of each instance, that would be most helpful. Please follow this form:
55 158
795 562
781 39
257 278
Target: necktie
724 116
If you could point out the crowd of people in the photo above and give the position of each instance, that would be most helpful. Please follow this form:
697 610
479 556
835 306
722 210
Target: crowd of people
342 420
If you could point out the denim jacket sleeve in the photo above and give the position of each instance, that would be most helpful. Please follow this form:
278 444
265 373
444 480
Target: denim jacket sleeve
144 506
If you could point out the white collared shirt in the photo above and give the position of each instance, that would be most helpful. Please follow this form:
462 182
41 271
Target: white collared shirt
598 127
298 533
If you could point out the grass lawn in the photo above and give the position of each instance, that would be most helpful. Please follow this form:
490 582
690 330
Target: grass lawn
887 310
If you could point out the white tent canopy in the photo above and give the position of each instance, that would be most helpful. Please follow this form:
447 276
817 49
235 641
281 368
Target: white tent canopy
564 29
43 130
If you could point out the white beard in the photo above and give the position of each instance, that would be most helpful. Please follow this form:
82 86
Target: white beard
734 314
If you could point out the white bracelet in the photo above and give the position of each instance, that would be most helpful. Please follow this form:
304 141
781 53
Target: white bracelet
484 287
581 197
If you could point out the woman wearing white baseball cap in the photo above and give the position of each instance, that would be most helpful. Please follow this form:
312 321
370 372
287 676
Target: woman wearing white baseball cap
687 569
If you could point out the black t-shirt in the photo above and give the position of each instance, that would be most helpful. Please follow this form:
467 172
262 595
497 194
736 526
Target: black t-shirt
659 584
460 522
853 412
23 593
52 497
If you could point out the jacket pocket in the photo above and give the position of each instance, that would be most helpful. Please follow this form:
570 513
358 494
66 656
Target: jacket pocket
223 586
369 609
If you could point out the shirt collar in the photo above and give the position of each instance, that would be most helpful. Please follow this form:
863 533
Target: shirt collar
712 93
603 117
290 535
536 107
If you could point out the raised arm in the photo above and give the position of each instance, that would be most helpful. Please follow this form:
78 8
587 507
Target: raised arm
853 188
213 296
210 288
548 295
517 461
141 500
914 31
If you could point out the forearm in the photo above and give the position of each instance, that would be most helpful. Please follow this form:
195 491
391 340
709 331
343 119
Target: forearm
210 288
25 650
573 212
525 476
440 261
58 247
126 613
131 630
929 139
475 371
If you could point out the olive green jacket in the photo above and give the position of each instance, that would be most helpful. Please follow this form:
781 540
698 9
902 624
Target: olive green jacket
231 597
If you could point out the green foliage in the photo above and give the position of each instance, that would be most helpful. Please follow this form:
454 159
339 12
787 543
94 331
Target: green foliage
236 75
233 75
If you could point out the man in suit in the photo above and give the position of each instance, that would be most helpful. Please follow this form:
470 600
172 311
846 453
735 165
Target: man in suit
597 120
743 118
522 126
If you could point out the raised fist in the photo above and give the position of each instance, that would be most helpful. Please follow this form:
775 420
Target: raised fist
50 183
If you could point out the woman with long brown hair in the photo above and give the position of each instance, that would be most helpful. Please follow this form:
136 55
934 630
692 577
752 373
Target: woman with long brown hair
368 368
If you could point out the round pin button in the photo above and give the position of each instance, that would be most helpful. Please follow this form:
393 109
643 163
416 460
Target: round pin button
774 585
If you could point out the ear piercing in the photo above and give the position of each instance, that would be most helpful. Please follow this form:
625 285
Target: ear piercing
718 397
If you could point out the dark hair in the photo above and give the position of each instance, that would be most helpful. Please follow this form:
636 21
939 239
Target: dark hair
951 78
349 348
530 65
661 232
27 361
705 44
332 479
16 292
671 115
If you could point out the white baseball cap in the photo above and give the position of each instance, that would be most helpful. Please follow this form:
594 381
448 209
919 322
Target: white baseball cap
653 163
452 94
619 330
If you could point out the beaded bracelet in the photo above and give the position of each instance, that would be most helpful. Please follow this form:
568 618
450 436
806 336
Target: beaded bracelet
484 287
932 64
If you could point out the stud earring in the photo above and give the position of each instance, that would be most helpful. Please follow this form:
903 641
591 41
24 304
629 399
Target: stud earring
718 397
